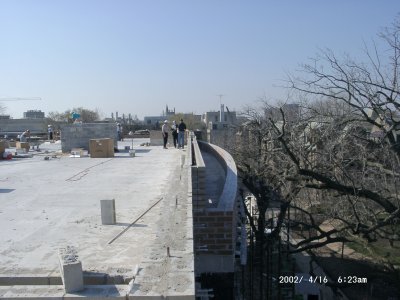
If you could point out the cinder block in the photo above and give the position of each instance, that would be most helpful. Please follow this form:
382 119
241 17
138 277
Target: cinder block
71 270
108 216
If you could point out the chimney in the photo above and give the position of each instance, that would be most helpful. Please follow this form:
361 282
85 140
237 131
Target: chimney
221 113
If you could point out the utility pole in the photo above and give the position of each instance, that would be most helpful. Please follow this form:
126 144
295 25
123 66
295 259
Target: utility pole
221 112
220 98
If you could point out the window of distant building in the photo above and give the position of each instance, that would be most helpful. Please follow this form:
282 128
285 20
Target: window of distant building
216 118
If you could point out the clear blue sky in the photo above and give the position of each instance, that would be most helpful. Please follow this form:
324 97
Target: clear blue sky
137 56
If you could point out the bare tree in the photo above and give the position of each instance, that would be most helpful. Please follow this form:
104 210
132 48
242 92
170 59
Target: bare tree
190 120
2 108
355 157
86 115
332 160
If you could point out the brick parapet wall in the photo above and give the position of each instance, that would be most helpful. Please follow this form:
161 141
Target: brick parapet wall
214 229
198 177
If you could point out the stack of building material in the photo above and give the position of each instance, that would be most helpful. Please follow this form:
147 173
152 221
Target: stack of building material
23 145
3 152
101 148
78 152
3 147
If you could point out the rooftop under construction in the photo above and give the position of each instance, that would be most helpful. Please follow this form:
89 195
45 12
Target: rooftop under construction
52 201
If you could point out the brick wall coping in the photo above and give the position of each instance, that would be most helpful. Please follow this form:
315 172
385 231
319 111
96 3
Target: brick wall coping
228 196
197 154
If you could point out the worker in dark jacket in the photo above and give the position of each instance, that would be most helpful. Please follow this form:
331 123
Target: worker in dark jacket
181 134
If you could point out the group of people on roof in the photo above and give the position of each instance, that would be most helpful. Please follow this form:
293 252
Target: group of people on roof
178 133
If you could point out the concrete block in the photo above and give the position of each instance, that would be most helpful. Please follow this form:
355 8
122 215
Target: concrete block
55 292
70 269
23 280
108 216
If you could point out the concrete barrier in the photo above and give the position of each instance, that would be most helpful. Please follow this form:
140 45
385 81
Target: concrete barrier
108 216
70 269
156 138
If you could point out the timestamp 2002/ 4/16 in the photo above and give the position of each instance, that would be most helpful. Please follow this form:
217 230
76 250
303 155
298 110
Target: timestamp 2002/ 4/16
350 279
299 279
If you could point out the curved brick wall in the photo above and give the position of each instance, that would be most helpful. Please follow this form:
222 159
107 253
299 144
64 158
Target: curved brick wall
214 227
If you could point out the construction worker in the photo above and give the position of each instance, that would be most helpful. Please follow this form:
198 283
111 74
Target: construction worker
50 132
25 136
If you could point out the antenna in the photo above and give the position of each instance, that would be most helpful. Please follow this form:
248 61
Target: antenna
220 98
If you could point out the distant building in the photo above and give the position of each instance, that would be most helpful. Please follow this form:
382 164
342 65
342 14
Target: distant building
155 120
219 119
34 114
191 116
4 117
126 119
291 112
168 112
13 127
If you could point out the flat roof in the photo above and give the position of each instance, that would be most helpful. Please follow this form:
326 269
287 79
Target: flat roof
54 202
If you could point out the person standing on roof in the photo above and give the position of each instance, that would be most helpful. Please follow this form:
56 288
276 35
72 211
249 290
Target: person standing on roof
181 134
50 132
164 131
119 131
24 136
174 129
